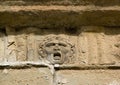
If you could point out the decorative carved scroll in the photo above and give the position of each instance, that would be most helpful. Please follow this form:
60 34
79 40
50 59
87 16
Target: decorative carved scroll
56 50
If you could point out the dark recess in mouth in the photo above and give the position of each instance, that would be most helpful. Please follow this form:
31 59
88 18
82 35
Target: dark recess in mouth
57 56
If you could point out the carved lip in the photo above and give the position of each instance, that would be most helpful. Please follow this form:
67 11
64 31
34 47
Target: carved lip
57 56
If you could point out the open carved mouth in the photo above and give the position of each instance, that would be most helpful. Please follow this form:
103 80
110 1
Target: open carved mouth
57 56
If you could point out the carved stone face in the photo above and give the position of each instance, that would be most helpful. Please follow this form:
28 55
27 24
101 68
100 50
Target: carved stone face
57 52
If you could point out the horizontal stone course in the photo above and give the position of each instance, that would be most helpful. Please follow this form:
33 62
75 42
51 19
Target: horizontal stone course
57 16
33 76
61 2
59 42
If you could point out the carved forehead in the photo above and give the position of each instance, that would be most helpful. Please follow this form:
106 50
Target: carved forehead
56 40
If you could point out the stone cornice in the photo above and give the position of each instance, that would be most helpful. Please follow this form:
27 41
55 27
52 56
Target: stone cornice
61 2
59 16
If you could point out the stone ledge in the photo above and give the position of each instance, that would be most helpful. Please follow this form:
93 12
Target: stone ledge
60 67
61 2
58 8
59 16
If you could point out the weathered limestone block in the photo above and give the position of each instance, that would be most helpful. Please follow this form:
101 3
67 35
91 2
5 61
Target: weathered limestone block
88 77
31 76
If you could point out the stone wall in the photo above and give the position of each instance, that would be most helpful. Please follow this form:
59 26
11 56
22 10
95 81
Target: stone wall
59 42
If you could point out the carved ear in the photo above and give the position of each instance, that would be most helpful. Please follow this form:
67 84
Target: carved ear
42 53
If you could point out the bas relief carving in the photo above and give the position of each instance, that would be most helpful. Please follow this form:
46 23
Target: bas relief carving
90 48
57 50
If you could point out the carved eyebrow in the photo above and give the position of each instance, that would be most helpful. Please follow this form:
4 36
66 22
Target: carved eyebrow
62 44
50 44
53 44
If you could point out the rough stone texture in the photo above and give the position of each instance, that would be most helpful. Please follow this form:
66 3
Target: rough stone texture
59 42
32 76
65 16
61 2
88 77
87 45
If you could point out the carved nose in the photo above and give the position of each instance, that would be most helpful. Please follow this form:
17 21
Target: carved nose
56 47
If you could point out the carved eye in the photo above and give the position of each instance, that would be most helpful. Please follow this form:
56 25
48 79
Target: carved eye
62 44
50 44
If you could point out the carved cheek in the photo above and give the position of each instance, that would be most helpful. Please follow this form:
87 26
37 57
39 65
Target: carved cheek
65 50
49 50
